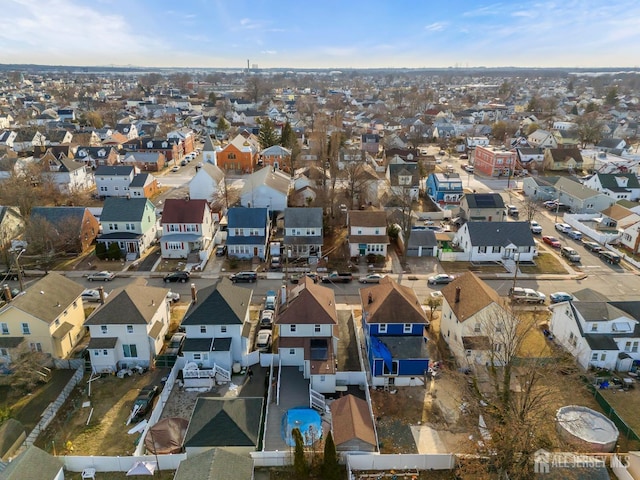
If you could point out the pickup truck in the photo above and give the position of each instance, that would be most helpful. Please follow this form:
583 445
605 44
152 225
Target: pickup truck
335 277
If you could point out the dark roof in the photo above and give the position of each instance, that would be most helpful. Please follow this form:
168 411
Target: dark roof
601 342
179 210
221 304
198 344
484 200
133 305
118 209
55 215
424 238
10 432
102 343
246 240
240 217
598 311
608 181
303 217
308 303
561 155
119 170
215 464
139 180
218 422
500 234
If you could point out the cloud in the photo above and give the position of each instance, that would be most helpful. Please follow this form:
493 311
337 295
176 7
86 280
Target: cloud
269 52
494 9
437 26
248 24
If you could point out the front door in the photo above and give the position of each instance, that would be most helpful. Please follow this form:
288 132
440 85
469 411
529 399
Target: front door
255 251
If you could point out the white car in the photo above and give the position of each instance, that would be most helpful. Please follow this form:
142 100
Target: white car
371 278
104 276
563 227
92 295
173 296
535 227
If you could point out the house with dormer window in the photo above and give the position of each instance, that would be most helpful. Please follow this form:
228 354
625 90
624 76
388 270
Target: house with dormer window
367 232
187 227
96 156
303 234
129 130
395 332
68 175
621 186
597 331
404 179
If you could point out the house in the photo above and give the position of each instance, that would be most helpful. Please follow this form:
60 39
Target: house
494 162
247 232
367 232
95 157
611 145
566 138
216 327
147 161
28 138
187 227
307 333
482 207
445 188
128 222
394 326
542 139
404 179
540 188
469 309
277 157
59 137
370 142
230 423
48 317
11 225
129 329
562 160
215 464
530 158
579 197
114 181
496 241
7 137
240 154
266 188
207 183
68 175
352 425
34 463
597 331
422 243
621 186
473 142
303 232
127 129
79 221
144 185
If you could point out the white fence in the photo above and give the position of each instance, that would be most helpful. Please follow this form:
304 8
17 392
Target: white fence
351 378
268 359
272 459
51 411
372 461
121 464
577 221
454 256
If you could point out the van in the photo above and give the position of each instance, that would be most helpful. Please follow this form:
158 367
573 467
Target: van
526 295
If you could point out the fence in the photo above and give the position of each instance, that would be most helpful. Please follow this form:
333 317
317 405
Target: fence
578 222
50 412
121 464
375 462
610 412
272 459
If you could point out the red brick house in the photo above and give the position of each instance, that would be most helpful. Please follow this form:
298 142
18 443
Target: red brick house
494 162
240 154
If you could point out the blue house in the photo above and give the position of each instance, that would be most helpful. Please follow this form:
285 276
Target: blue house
394 326
445 188
247 232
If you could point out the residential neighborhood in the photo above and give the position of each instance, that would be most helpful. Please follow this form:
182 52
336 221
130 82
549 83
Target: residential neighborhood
404 271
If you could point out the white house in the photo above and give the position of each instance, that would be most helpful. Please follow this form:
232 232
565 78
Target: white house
303 237
367 232
597 331
621 186
473 142
496 241
68 175
129 329
266 188
207 183
187 226
114 181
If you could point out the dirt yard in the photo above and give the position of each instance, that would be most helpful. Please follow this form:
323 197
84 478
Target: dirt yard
105 433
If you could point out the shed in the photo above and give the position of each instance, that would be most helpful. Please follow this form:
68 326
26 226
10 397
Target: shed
352 425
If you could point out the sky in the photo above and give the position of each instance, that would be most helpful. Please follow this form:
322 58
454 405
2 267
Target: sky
334 34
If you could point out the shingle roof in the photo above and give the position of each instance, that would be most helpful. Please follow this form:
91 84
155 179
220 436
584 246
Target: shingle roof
140 180
277 180
598 311
303 217
390 302
32 463
475 295
424 238
575 189
215 464
133 305
178 210
609 181
368 218
118 209
500 234
240 217
351 420
308 303
55 215
118 170
221 304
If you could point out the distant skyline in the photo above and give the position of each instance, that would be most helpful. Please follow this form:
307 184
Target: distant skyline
328 34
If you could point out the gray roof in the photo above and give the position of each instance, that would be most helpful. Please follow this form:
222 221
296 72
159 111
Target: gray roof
215 464
221 304
140 180
484 200
43 297
208 144
601 342
10 431
423 238
241 217
276 180
303 217
500 234
598 311
218 422
102 343
145 157
55 215
118 170
32 463
575 189
118 209
133 305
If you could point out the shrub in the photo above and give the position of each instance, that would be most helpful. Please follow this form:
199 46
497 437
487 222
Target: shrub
114 252
101 251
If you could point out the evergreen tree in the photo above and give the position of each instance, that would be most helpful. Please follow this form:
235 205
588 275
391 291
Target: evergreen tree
223 125
299 461
330 466
288 138
267 134
114 252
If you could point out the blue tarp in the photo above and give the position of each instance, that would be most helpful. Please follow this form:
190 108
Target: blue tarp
380 350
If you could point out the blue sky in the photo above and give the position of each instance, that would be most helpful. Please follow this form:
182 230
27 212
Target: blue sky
321 34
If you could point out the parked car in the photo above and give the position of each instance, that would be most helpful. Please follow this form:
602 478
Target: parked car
592 246
263 340
571 254
92 295
464 156
337 277
313 276
441 278
173 296
183 162
512 211
526 295
266 319
558 297
143 402
175 344
575 234
182 277
563 227
535 227
104 276
246 277
270 300
552 241
371 278
610 257
221 251
175 168
468 168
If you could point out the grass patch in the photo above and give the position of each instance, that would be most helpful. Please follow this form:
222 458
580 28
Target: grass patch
461 267
171 265
545 263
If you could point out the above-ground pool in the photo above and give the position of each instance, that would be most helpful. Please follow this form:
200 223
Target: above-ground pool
307 420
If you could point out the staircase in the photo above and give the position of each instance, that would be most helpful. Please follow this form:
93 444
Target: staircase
221 374
317 401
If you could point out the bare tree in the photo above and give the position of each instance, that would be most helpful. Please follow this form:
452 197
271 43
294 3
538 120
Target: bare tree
225 197
357 181
255 88
531 208
26 366
589 128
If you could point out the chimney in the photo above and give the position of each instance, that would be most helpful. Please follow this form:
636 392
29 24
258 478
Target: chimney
7 292
370 301
194 293
101 292
458 294
283 294
153 303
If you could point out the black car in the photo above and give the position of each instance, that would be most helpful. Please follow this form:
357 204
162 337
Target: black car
175 344
610 257
143 402
176 277
592 246
246 277
221 251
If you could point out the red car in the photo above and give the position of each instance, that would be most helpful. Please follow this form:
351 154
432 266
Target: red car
553 241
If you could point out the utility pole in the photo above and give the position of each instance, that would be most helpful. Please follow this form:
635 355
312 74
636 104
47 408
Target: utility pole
19 269
516 257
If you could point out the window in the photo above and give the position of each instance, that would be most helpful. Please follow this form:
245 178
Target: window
496 249
129 328
634 347
203 329
105 352
5 328
477 328
382 328
104 329
603 357
4 352
130 350
594 357
482 249
25 329
594 327
35 347
292 351
292 328
96 352
407 328
197 356
223 328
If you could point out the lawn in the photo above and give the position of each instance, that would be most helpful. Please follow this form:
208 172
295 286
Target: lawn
545 263
626 404
461 267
